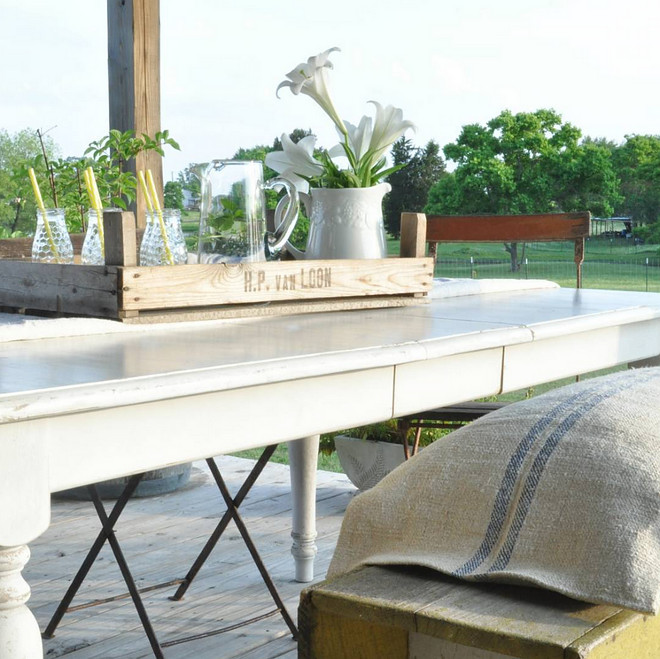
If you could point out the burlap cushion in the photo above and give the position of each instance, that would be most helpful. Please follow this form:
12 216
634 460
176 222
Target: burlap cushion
560 491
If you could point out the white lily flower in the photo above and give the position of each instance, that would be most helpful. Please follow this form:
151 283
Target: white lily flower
310 78
389 126
359 137
296 161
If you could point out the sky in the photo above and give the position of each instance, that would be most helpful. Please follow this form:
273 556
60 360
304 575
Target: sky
445 63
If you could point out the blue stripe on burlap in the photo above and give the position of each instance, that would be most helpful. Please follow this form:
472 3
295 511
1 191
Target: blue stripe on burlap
505 492
512 473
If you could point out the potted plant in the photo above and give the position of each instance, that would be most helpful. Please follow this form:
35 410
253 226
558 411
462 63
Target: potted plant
367 454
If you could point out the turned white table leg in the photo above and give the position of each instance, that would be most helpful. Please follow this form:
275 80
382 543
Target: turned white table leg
19 632
303 456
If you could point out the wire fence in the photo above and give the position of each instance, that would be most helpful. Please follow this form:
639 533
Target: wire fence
605 266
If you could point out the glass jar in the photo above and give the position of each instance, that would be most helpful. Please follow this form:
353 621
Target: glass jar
153 250
146 246
172 219
93 252
52 243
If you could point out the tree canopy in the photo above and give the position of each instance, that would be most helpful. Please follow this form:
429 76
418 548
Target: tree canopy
637 163
411 184
530 162
19 151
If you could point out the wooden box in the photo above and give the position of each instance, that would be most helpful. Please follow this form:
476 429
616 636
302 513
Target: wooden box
406 613
130 293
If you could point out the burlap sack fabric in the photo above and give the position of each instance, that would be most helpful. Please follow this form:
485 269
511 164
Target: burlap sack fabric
560 491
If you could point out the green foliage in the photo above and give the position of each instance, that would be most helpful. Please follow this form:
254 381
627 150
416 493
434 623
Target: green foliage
637 164
382 431
526 163
110 158
173 195
18 152
418 169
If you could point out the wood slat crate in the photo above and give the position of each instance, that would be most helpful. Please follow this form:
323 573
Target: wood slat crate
130 293
405 613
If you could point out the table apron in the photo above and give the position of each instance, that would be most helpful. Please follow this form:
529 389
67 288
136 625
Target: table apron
546 360
447 380
72 450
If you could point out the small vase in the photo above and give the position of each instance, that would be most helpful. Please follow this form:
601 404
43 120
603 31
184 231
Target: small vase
93 253
153 250
52 243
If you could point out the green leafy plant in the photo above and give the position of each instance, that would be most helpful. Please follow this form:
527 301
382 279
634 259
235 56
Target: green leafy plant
109 158
382 431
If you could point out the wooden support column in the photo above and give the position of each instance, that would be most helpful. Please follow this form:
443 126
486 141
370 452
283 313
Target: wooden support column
134 79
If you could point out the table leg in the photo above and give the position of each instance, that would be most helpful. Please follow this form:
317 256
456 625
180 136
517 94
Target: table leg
303 457
19 632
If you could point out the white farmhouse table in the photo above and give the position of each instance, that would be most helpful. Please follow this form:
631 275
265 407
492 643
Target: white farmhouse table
100 400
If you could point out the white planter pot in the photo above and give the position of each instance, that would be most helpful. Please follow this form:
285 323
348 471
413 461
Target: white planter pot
366 462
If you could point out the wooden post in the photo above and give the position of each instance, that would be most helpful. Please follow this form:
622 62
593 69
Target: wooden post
120 238
413 235
134 79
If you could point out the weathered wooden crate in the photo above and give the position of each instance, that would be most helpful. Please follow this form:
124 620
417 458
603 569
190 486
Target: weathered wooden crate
400 613
130 293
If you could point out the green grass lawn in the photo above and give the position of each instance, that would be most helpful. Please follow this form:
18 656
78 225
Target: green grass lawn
281 456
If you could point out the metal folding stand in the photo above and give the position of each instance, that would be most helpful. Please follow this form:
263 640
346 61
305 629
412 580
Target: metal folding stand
107 533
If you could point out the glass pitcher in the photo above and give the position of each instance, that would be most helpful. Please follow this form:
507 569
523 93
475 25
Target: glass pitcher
232 227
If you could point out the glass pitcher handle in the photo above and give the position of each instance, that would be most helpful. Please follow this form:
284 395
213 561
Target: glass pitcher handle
285 221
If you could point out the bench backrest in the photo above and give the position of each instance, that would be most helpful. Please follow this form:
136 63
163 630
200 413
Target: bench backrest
545 227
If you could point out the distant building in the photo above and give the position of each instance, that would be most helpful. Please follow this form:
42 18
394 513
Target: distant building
190 202
612 227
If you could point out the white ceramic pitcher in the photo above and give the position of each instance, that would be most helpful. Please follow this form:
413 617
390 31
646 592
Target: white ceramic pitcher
345 223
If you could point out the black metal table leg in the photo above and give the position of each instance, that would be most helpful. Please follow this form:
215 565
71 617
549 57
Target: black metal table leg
107 533
226 518
233 514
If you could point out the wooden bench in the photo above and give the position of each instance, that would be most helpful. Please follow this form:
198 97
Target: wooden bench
406 613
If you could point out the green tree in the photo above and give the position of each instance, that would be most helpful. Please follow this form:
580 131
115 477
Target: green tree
637 164
530 162
422 167
173 195
17 205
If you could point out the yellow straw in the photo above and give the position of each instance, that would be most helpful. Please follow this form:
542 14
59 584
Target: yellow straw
95 201
145 190
159 212
42 208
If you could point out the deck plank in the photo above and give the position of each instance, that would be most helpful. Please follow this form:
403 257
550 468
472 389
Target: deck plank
160 537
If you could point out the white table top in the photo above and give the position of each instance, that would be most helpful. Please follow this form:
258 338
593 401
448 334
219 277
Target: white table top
55 375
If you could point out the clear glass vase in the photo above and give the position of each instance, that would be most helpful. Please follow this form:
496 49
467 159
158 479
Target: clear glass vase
52 243
93 253
154 250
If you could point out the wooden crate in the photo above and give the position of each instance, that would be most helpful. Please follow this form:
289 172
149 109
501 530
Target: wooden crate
400 613
130 293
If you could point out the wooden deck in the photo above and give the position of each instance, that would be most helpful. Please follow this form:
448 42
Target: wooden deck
160 537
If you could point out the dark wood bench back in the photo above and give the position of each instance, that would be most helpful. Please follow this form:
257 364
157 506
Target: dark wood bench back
545 227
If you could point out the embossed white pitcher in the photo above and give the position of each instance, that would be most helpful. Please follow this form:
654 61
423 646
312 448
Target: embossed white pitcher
344 223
